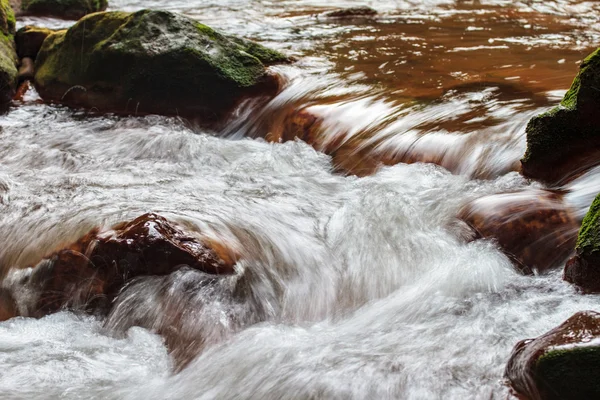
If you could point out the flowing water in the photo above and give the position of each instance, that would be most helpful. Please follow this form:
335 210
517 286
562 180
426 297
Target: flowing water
355 287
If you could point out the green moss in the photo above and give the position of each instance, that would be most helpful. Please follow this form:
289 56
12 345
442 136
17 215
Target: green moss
570 373
151 59
7 19
588 241
573 125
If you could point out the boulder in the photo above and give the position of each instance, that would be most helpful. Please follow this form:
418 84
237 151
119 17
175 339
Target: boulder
583 270
566 139
563 364
66 9
534 228
152 62
8 56
91 272
29 40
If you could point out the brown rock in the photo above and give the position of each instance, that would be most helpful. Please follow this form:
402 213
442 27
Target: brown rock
563 364
533 227
91 273
8 307
26 69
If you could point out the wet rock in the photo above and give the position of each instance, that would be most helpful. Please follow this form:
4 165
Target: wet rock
566 140
8 307
29 40
152 62
353 155
26 69
90 273
583 270
66 9
8 56
563 364
352 12
533 227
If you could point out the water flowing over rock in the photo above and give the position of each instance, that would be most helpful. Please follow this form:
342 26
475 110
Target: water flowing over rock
66 9
583 270
563 364
90 273
533 227
152 62
8 57
564 140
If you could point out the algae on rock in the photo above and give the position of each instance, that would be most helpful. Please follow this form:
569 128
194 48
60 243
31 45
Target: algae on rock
8 57
583 270
562 364
151 62
568 131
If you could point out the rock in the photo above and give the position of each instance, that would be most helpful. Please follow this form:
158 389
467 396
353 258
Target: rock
152 62
352 12
566 139
563 364
26 69
8 56
90 273
66 9
29 40
350 154
8 307
583 270
532 227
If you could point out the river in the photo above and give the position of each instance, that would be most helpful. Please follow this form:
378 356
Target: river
360 287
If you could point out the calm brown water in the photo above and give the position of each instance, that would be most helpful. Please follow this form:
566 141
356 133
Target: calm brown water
359 287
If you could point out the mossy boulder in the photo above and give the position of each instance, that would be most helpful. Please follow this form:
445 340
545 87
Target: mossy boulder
8 56
566 139
583 270
29 40
152 62
563 364
66 9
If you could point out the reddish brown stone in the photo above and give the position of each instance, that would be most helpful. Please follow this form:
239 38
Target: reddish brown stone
584 272
94 269
533 227
8 307
562 364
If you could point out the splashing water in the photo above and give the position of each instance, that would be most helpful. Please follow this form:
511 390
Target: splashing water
348 287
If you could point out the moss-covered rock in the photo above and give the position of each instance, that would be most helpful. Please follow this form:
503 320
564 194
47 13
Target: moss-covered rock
583 270
29 40
8 57
151 62
67 9
559 138
563 364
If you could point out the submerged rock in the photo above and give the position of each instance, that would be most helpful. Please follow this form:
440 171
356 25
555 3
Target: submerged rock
29 40
352 12
66 9
152 62
8 56
91 272
583 269
566 139
563 364
533 227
